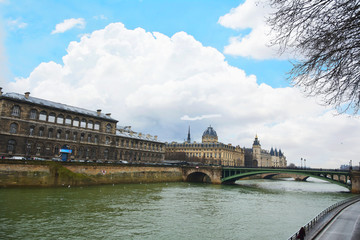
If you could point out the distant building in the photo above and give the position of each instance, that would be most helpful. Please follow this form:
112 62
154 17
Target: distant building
257 157
209 151
34 127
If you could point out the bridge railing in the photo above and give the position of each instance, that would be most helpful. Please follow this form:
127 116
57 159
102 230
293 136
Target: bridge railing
321 215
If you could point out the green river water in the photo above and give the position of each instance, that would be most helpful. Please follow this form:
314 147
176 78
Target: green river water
252 209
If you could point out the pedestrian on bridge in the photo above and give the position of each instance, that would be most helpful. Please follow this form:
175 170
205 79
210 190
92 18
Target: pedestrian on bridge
301 234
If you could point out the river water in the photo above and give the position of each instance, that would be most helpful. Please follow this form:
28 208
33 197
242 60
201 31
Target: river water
252 209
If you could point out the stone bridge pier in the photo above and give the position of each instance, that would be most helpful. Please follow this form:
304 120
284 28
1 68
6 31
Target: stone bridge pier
355 181
204 174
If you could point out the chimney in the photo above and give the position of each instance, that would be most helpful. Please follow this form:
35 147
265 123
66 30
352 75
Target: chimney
155 137
98 112
27 94
140 134
108 114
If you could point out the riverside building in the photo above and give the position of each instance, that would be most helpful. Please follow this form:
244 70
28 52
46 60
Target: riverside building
209 151
34 127
258 157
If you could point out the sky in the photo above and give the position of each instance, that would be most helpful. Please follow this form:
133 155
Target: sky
162 66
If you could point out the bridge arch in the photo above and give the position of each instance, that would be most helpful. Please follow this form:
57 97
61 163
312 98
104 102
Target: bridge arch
203 174
198 177
230 175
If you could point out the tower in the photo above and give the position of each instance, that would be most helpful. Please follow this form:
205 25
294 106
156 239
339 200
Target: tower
188 137
257 151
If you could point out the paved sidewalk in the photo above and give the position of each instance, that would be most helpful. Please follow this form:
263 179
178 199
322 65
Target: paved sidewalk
346 225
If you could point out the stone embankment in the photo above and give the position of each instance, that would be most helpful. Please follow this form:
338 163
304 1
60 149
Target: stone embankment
52 174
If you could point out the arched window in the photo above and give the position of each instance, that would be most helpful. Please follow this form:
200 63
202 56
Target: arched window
76 122
50 133
42 116
89 138
107 140
108 128
52 117
97 126
33 114
31 130
83 123
68 120
60 119
15 111
82 137
41 131
90 124
13 128
11 146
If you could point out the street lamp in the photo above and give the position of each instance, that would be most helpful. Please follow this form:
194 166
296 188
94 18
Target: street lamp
301 162
304 163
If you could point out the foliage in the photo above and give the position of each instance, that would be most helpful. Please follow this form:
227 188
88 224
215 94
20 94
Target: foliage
325 35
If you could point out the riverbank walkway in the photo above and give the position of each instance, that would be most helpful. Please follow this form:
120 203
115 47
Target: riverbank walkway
338 222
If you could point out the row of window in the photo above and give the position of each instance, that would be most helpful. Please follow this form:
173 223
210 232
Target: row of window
82 152
60 119
67 135
201 145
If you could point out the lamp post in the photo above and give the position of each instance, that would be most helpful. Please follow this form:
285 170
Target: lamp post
304 163
301 163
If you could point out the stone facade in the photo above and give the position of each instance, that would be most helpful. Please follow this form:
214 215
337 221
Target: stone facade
33 127
258 157
210 151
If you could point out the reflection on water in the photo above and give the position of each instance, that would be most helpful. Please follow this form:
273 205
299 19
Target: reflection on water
252 209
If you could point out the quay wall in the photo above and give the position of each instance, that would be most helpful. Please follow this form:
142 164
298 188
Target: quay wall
52 174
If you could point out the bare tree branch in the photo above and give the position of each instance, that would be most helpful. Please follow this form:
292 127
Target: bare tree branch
326 36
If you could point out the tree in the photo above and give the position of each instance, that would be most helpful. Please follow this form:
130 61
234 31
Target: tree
326 36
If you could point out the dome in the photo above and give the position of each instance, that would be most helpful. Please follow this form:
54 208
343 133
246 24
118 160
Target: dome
209 132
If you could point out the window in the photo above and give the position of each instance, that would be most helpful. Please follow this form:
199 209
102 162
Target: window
107 140
57 150
52 117
15 111
60 119
96 139
76 122
13 128
75 136
90 124
50 133
11 146
83 123
89 138
106 154
108 128
42 116
68 120
31 130
67 134
58 134
41 132
82 137
97 126
33 114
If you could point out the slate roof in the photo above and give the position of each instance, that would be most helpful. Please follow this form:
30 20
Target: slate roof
56 105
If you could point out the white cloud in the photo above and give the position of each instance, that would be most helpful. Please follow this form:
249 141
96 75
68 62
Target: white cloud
16 24
155 82
251 15
68 24
187 118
